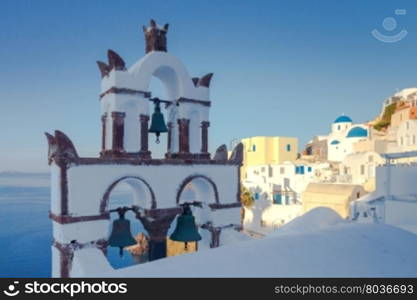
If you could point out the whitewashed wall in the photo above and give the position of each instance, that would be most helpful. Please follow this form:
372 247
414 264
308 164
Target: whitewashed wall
88 183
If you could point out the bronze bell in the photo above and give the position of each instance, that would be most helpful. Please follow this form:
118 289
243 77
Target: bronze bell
157 123
121 236
186 229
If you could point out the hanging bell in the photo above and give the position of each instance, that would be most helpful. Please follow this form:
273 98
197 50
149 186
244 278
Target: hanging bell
158 123
186 229
121 235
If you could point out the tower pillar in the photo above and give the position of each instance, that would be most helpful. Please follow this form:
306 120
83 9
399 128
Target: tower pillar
144 137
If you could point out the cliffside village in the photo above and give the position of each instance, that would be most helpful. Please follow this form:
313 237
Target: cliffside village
342 170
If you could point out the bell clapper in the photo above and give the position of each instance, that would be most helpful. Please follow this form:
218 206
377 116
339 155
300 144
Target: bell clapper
186 246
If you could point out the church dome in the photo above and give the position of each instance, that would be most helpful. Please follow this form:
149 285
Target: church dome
343 119
357 132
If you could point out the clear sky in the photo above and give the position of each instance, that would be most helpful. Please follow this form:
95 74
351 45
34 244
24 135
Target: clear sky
281 67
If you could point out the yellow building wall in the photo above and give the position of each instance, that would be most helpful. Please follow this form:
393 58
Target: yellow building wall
378 146
364 146
340 204
268 151
285 155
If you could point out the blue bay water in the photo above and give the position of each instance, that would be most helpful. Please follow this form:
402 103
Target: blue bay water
26 232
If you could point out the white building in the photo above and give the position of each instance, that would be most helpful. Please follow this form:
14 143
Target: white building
281 183
394 201
408 94
277 191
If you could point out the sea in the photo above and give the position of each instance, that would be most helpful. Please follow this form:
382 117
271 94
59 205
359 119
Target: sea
26 230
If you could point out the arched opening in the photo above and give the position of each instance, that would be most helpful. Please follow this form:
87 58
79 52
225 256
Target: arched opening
157 89
197 188
163 84
126 192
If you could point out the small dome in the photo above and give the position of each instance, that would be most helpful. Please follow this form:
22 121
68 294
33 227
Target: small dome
343 119
334 142
356 132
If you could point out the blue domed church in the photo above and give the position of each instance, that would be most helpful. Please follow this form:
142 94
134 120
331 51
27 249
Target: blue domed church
344 134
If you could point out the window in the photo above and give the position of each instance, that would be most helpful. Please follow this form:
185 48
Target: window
288 147
402 141
338 127
256 196
299 169
370 158
362 170
287 199
277 198
282 170
263 169
408 125
309 169
270 171
253 148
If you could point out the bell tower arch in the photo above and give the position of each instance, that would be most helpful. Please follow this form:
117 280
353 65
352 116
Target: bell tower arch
126 109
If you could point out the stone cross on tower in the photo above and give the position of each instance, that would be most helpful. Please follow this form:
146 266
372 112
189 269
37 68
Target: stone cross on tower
155 37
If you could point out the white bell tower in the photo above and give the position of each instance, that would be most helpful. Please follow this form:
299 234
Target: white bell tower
124 112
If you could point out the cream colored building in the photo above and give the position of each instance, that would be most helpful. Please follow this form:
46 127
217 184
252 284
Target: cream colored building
335 196
359 168
407 136
377 142
400 116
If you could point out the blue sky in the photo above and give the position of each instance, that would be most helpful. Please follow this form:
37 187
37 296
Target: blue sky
281 67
